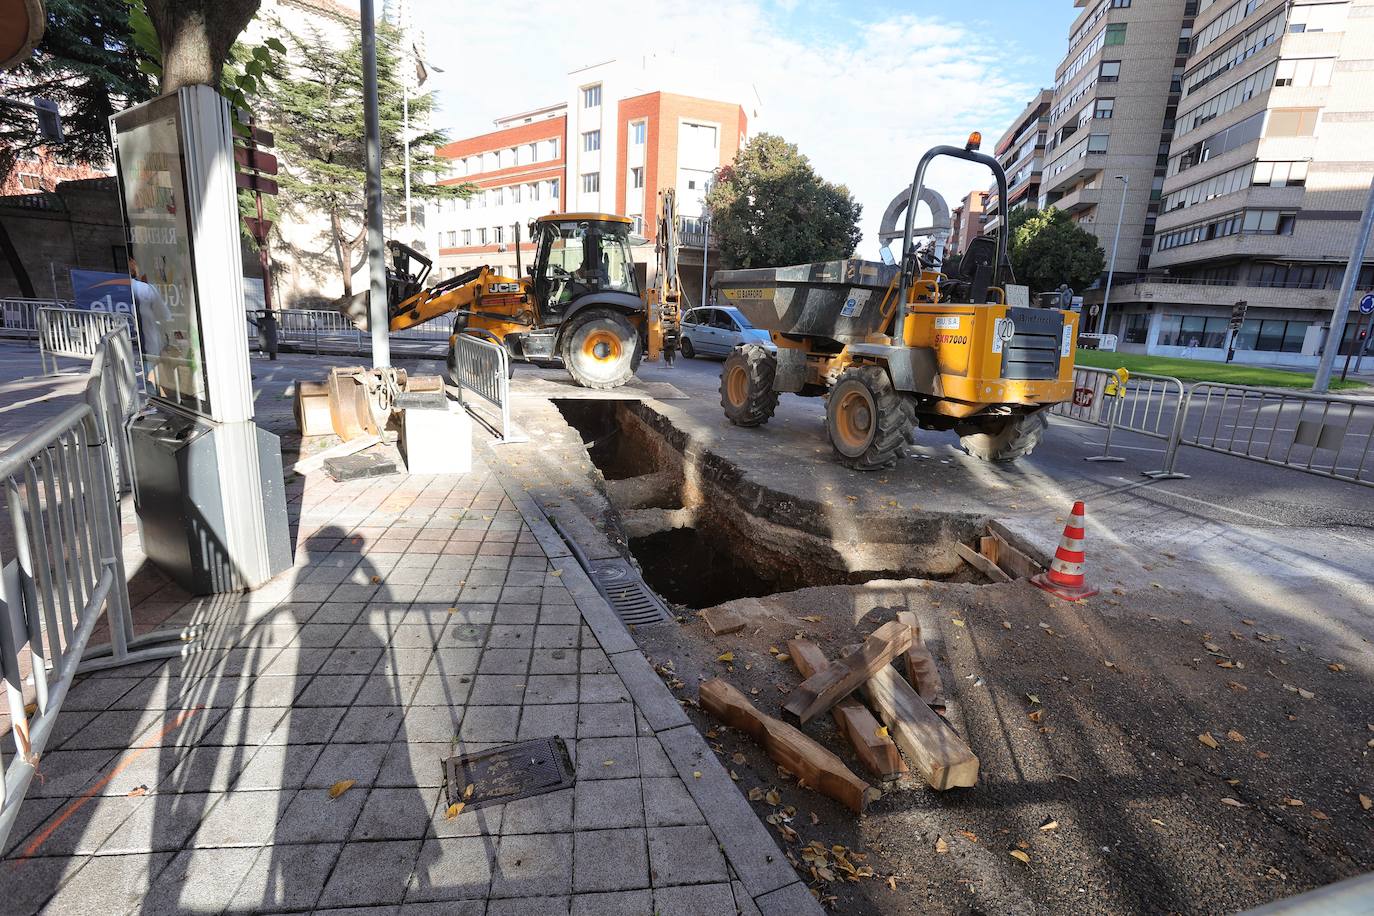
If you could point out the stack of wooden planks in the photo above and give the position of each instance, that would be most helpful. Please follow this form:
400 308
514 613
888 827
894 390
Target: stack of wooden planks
906 702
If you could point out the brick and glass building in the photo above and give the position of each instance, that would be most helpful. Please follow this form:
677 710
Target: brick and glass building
608 147
1021 152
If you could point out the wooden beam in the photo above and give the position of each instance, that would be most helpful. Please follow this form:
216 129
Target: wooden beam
789 748
981 563
920 665
826 688
1008 556
938 754
875 750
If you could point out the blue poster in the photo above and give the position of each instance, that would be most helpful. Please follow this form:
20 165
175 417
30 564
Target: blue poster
102 291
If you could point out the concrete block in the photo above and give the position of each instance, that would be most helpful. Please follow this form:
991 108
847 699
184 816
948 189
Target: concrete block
437 441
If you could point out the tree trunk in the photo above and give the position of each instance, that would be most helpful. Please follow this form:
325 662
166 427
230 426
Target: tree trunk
21 272
196 36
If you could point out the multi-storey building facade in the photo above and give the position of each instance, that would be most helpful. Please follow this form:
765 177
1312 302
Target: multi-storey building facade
1021 152
609 147
969 220
1111 119
1265 182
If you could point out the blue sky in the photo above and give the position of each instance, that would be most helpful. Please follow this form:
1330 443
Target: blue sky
862 88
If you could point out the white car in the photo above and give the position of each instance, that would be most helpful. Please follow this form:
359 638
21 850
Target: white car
716 330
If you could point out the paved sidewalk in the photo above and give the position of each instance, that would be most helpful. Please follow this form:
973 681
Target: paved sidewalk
424 616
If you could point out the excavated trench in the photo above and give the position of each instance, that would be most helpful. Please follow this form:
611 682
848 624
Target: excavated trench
703 533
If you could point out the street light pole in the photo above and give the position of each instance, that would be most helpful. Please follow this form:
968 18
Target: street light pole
705 252
1346 298
376 260
1111 267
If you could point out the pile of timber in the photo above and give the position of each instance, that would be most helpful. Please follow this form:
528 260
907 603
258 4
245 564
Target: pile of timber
906 702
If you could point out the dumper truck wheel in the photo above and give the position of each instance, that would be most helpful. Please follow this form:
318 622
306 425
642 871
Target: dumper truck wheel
1003 438
746 386
867 420
601 349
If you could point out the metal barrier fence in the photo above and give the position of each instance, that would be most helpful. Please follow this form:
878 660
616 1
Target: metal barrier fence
1326 435
62 568
323 330
75 333
1149 405
114 396
482 368
19 317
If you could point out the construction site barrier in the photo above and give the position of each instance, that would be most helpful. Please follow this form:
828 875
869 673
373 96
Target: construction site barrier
19 317
1327 435
1145 404
325 331
61 571
481 368
75 333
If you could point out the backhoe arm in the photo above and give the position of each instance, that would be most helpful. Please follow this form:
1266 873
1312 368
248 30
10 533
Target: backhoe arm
453 294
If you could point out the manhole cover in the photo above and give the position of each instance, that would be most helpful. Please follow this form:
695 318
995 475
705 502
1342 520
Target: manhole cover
624 589
504 774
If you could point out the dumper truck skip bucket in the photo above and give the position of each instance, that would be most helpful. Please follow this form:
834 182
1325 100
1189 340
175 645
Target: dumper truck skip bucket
838 300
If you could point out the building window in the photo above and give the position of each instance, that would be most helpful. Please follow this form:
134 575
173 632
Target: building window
498 234
1116 34
499 197
467 236
1192 331
591 96
637 176
554 189
515 190
591 141
637 224
1272 335
1097 143
639 131
1292 122
1102 109
452 238
534 190
1318 17
481 198
481 236
1280 174
1310 71
1109 71
553 148
1137 329
30 181
591 182
1120 4
533 152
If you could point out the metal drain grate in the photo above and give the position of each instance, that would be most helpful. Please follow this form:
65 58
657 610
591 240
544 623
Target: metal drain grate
633 601
504 774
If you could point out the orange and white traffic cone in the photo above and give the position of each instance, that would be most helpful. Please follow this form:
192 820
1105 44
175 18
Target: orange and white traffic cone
1065 578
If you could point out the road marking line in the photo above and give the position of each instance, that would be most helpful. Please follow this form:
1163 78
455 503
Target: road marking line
77 804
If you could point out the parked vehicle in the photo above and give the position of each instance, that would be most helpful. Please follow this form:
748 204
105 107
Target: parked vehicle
716 330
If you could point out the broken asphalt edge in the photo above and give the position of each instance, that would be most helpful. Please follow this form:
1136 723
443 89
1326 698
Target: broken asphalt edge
750 849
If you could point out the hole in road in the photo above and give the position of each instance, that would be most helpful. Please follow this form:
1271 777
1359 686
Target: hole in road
713 559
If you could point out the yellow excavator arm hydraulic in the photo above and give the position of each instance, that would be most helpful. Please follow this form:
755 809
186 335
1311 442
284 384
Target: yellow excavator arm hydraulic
475 291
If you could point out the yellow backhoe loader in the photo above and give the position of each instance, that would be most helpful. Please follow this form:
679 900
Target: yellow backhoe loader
580 304
898 343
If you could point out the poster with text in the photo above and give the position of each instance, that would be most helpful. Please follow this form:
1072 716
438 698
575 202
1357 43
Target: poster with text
162 281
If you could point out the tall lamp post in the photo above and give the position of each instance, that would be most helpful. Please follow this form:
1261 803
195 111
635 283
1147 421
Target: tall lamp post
1111 266
705 251
376 249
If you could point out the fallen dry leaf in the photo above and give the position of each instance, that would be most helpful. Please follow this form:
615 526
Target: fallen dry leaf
138 791
1236 736
1292 802
1233 802
1336 667
815 818
1020 856
1236 686
812 618
957 622
696 774
880 731
725 657
1050 825
1033 699
1036 716
1320 816
940 845
1207 739
756 794
340 787
1006 624
1211 647
1365 802
454 810
1305 694
738 759
772 797
969 835
608 763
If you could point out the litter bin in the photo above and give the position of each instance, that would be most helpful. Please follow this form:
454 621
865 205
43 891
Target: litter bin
267 332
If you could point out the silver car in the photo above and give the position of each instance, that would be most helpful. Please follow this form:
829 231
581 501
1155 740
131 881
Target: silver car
716 330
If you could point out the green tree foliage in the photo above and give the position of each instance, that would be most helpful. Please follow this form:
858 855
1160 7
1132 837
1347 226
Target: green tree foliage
85 64
314 96
1048 248
771 209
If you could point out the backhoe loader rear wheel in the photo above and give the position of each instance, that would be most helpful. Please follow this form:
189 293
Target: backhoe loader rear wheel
1003 438
601 349
867 420
746 385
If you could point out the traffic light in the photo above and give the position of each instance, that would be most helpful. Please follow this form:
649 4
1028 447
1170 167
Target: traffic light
49 120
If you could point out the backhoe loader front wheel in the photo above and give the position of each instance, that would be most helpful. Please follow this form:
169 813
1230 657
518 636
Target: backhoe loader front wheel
1003 438
867 420
746 385
601 349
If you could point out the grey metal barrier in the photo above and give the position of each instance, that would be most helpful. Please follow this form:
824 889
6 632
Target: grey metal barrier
323 330
1145 404
19 317
481 369
113 392
61 571
1327 435
75 333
